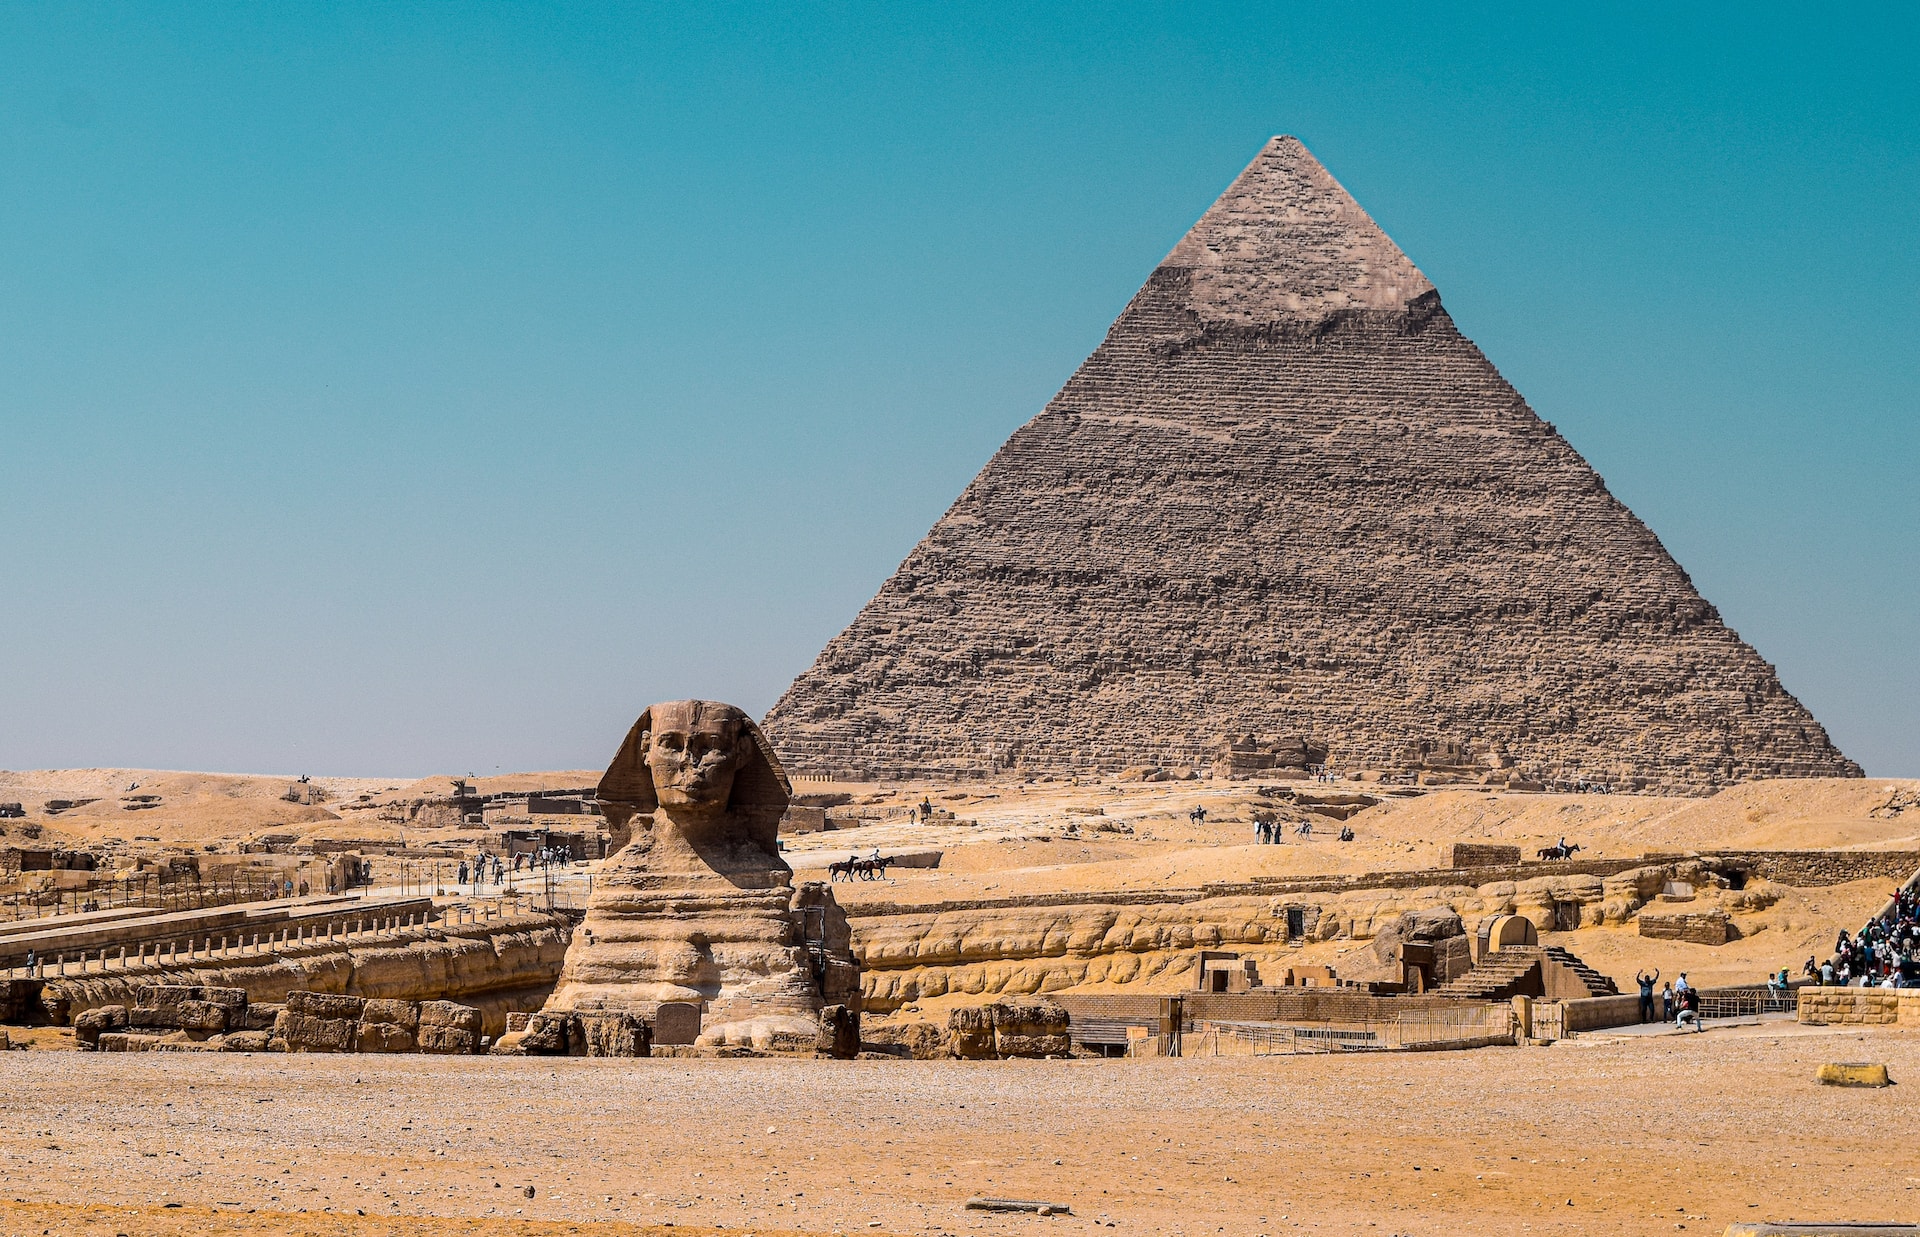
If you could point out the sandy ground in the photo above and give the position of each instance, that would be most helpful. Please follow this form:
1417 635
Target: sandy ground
1617 1134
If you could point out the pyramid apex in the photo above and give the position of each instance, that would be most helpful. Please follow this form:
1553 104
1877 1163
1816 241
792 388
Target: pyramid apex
1287 242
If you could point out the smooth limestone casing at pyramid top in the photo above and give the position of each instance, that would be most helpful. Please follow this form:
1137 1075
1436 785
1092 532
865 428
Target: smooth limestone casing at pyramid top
1285 496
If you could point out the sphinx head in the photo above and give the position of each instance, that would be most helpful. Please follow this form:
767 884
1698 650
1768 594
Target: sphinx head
694 752
701 763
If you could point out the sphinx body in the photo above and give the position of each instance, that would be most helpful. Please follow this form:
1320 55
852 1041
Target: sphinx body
698 906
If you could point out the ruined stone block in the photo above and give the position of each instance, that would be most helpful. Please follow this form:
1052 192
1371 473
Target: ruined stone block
403 1014
450 1014
90 1026
327 1005
201 1016
163 996
447 1041
839 1033
157 1017
246 1041
1853 1074
546 1035
970 1033
921 1041
383 1037
611 1035
1031 1028
306 1033
255 1017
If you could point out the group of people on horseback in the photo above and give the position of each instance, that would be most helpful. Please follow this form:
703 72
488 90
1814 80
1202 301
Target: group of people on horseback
873 868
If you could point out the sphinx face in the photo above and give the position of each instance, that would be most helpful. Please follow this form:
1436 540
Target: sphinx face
694 754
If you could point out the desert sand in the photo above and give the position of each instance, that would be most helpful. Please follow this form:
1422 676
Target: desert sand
1615 1133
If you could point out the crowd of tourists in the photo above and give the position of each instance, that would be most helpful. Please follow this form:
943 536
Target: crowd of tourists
488 869
1883 954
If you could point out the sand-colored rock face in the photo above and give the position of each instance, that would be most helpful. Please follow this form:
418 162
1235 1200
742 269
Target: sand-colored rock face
1286 496
697 906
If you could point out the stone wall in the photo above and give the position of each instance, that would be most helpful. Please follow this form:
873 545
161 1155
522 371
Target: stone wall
1859 1006
1481 855
1704 928
1597 1012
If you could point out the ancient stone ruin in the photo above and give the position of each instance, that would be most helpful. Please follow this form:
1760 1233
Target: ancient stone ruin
1286 496
697 907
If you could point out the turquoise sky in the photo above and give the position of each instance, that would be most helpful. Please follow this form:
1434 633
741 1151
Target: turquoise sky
403 389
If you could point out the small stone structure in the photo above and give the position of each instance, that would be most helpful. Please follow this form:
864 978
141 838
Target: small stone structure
1033 1027
1707 928
1225 972
1481 855
1247 756
697 906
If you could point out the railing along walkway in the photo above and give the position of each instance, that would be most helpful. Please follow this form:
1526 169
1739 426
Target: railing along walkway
169 954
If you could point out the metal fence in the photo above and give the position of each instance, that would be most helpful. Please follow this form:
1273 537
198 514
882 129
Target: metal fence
1746 1002
148 890
1415 1030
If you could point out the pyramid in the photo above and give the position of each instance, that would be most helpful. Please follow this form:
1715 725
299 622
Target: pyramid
1287 497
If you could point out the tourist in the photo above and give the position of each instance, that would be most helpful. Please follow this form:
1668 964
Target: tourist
1646 983
462 878
1681 985
1262 831
1690 1009
1667 1007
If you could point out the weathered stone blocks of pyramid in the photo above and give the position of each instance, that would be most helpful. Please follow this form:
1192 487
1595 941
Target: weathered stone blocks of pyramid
1286 496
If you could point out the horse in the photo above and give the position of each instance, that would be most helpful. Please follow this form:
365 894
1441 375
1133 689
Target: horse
872 869
841 867
1556 851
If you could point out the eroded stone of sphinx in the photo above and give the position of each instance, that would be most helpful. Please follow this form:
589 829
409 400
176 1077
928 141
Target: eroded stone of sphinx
697 905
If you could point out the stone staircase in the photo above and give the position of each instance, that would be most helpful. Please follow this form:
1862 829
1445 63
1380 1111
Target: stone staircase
1501 976
1597 984
1515 972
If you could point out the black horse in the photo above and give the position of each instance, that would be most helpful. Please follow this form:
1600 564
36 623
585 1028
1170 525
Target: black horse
1557 851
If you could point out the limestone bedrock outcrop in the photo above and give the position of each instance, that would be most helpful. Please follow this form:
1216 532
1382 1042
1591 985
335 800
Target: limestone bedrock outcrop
697 905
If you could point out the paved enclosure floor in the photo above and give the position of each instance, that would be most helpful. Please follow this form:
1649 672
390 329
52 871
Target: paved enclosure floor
1633 1135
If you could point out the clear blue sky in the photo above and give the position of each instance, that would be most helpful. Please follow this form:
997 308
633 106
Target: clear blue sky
421 388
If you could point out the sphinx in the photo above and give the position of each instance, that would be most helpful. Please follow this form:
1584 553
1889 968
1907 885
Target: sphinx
696 906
